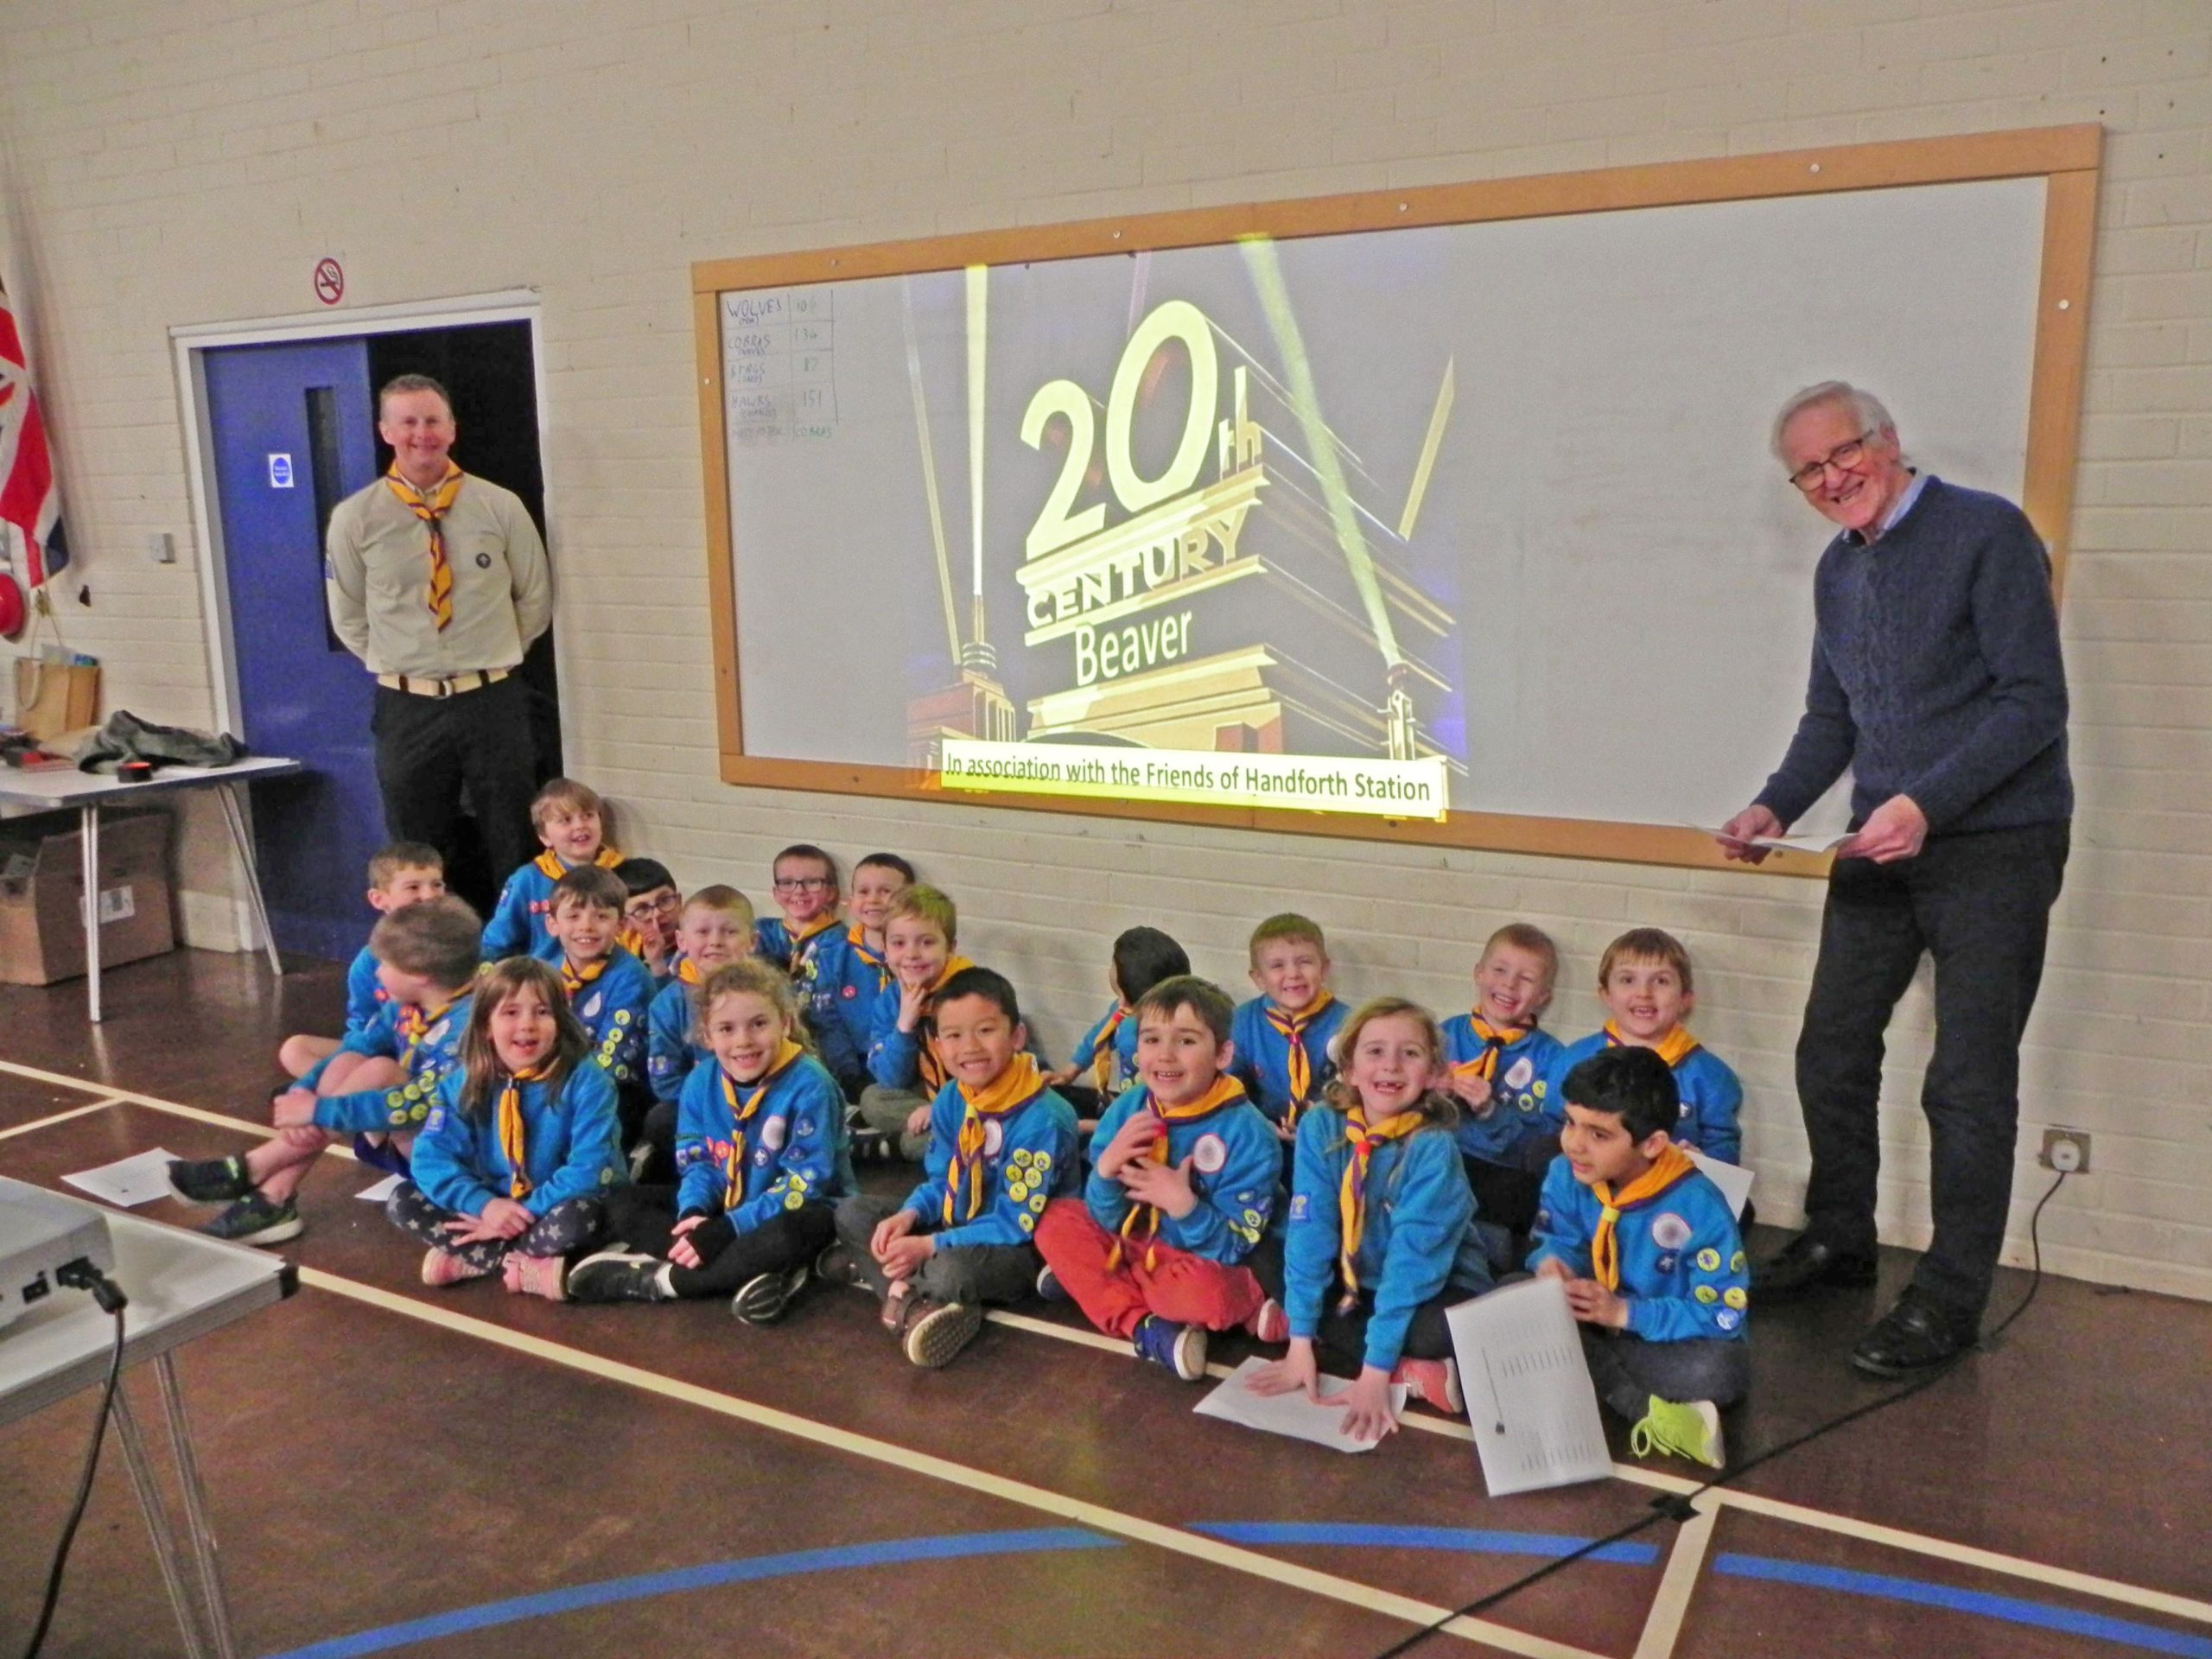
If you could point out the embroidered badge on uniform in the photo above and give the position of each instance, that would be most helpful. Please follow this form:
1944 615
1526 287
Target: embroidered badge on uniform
1298 1206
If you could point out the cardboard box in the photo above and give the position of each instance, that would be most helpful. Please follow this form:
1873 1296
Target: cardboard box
52 698
42 893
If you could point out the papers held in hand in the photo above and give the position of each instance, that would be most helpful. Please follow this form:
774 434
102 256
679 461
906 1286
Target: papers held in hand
1530 1401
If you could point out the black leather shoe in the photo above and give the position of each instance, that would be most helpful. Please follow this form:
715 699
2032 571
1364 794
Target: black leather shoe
1806 1261
1912 1338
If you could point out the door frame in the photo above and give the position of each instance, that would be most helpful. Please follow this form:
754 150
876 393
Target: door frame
189 342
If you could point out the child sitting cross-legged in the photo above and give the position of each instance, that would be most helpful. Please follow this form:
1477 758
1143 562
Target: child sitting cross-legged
519 1153
610 989
570 820
1503 1067
1001 1145
760 1160
1184 1175
1653 1266
405 872
377 1087
1381 1239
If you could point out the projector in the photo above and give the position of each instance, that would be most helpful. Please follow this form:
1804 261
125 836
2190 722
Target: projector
41 1233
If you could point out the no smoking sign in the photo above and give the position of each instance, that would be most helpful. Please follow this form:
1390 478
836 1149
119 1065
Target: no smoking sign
329 282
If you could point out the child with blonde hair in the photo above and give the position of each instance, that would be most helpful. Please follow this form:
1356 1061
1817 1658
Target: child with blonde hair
570 819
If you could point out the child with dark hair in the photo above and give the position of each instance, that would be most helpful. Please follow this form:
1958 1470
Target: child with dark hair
650 912
1653 1265
519 1153
1106 1059
1001 1145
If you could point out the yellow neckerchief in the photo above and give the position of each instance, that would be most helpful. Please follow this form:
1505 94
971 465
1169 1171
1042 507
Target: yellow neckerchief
415 1022
1669 1167
574 979
1011 1090
430 508
857 936
1495 1040
734 1165
1225 1089
633 941
1103 1057
820 924
511 1142
1352 1192
687 971
1291 1028
1674 1048
932 1072
555 867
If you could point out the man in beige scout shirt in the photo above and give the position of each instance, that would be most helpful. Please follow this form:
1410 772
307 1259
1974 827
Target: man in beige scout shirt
438 582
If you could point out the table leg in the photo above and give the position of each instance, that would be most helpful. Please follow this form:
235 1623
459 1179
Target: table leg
244 844
157 1524
195 1510
88 818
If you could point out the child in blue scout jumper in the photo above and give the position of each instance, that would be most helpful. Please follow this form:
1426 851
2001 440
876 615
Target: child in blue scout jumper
377 1087
1652 1262
1381 1239
1644 980
1105 1062
512 1169
1001 1145
1282 1035
1502 1066
715 929
570 820
1184 1172
405 872
809 944
760 1160
608 988
878 880
650 910
918 936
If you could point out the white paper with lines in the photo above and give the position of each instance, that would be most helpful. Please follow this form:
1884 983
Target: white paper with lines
1530 1398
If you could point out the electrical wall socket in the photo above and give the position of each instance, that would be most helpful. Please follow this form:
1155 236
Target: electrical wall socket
2065 1149
161 547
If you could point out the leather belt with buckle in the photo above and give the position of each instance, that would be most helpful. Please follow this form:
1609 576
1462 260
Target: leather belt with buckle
415 686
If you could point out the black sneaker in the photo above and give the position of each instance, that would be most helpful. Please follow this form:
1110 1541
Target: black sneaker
617 1276
762 1299
209 1180
254 1220
836 1266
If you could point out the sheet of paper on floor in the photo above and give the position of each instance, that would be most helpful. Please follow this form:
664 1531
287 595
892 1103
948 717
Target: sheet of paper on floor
1289 1413
383 1190
1530 1398
130 1182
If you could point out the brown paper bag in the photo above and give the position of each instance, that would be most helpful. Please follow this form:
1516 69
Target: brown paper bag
52 698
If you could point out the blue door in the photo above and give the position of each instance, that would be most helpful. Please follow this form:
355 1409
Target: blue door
293 435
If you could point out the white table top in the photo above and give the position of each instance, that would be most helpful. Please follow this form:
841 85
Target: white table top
180 1284
75 788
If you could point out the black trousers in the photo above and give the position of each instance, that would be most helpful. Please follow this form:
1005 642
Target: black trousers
428 747
1341 1343
1980 904
643 1217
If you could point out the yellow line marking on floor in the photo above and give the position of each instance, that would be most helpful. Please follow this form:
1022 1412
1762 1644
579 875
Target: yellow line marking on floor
1083 1513
1662 1625
59 1117
1820 1520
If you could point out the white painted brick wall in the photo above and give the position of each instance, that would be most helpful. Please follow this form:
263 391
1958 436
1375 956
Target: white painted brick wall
171 161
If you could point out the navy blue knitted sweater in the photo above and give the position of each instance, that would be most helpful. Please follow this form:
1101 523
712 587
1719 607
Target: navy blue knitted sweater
1936 673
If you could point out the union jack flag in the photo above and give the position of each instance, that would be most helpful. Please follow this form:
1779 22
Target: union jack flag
28 498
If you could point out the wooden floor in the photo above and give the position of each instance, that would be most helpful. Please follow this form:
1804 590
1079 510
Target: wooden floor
397 1469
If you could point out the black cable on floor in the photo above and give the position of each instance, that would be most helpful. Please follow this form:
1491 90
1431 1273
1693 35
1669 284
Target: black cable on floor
1679 1506
83 1276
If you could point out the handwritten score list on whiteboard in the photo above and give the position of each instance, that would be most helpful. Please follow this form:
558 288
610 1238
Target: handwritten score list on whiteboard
779 366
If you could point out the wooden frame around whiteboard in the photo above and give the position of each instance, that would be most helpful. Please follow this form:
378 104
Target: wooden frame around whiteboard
2067 157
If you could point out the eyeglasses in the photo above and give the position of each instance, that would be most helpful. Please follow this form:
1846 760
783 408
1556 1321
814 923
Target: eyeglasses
1843 458
802 884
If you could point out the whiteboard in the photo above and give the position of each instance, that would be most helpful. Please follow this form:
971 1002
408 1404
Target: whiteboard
1516 469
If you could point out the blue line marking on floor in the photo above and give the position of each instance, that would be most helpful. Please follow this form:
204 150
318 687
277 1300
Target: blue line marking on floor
2011 1609
1459 1539
643 1586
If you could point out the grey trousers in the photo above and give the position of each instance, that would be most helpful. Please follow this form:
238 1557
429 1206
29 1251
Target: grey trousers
966 1272
1629 1370
885 1111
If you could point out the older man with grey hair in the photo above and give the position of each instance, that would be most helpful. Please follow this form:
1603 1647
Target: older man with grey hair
1936 679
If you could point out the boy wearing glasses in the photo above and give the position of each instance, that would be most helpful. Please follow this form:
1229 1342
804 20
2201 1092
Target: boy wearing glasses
810 944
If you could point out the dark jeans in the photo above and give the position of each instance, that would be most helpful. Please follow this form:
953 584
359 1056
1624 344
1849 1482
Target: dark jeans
565 1229
1980 905
428 747
1341 1343
643 1217
1629 1370
1507 1196
975 1274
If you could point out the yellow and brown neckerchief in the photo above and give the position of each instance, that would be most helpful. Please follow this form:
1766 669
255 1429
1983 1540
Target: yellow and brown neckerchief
1103 1057
1352 1191
554 866
1495 1039
742 1114
932 1071
1225 1090
1291 1028
1008 1093
1669 1167
431 509
1674 1048
512 1146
